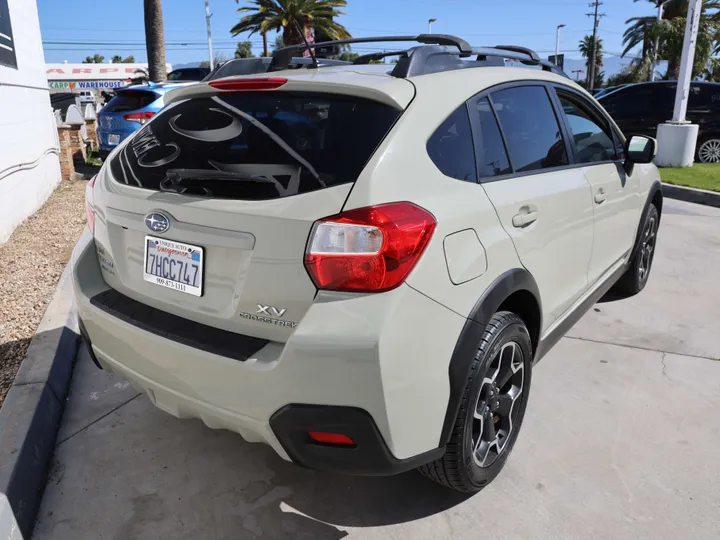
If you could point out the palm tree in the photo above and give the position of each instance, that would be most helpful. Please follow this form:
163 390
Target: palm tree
670 32
586 49
155 40
286 15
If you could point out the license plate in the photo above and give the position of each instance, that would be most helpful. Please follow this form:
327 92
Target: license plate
174 265
113 139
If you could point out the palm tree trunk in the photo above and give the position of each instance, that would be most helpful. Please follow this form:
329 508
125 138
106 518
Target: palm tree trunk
265 49
155 40
673 68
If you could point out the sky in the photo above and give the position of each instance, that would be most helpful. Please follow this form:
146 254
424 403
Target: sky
74 29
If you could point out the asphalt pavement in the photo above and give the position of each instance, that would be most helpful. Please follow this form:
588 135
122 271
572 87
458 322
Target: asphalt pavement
620 441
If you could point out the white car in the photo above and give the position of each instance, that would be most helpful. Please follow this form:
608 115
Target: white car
360 265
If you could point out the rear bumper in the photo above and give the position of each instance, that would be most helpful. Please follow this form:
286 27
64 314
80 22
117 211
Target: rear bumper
374 367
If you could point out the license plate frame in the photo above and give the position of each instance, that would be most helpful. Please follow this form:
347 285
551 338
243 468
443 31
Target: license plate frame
186 255
113 139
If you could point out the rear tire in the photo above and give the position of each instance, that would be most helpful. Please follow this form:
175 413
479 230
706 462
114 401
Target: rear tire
635 278
492 408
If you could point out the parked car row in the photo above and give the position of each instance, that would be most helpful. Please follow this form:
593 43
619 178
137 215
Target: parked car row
639 108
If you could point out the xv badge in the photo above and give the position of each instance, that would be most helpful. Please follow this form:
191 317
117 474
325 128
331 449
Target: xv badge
271 311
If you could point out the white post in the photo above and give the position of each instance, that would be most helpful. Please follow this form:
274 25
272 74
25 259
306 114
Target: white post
207 18
686 60
430 21
677 138
557 43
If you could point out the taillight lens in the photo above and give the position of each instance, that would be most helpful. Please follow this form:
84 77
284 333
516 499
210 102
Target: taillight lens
140 117
90 204
370 249
253 83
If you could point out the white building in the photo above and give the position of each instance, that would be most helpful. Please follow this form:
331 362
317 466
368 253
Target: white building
29 163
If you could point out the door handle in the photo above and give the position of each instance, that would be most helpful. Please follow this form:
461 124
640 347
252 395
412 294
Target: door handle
600 196
524 219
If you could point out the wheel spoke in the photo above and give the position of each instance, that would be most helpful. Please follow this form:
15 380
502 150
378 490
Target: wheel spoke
480 410
488 433
505 403
507 361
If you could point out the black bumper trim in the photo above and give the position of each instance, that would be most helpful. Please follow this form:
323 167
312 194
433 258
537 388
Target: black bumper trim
184 331
86 339
370 456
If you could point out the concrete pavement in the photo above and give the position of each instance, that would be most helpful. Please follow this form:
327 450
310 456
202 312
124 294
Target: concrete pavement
620 441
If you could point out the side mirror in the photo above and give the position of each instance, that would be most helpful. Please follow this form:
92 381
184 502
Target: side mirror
638 149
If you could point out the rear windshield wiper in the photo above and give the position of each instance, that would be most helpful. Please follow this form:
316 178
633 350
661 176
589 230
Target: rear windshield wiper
182 180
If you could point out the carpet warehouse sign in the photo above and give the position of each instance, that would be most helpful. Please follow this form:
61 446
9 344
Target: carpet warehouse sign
60 85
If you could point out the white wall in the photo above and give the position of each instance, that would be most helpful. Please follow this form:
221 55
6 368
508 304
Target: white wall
29 164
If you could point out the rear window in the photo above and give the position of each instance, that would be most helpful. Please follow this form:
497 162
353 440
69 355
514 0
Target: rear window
255 146
130 100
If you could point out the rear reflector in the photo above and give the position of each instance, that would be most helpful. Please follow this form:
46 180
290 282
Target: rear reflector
370 249
331 438
256 83
140 117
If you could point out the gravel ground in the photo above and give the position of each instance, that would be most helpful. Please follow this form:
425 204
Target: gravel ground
31 263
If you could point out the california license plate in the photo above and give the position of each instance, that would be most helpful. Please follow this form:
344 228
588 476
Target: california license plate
113 139
174 265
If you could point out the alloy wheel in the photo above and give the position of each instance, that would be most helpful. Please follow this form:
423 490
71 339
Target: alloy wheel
495 411
647 248
709 151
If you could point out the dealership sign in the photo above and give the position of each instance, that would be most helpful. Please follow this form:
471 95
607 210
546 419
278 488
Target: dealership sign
94 72
62 85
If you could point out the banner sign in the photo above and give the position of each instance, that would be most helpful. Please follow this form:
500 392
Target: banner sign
85 85
7 44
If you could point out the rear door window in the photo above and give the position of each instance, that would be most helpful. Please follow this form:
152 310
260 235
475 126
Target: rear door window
531 130
255 146
451 147
130 100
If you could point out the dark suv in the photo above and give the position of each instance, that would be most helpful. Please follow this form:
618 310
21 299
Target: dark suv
639 108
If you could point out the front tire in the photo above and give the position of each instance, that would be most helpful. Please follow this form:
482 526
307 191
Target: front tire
635 278
492 409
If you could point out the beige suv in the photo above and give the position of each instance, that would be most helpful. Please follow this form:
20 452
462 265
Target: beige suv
360 265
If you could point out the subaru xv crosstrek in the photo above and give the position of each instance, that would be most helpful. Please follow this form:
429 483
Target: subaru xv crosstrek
375 301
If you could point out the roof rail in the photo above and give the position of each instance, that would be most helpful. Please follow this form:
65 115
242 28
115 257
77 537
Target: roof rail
440 52
281 57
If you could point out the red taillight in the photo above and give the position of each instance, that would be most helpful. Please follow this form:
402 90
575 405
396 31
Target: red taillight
370 249
331 438
140 117
89 204
256 83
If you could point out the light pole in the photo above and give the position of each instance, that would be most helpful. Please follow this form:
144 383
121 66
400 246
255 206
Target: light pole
653 66
557 43
577 73
207 18
430 21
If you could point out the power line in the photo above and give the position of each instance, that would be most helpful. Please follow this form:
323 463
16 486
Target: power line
596 20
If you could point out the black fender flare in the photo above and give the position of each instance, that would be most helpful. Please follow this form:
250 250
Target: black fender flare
655 188
516 279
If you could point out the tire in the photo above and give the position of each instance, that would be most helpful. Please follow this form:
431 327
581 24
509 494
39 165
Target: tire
708 150
505 344
635 278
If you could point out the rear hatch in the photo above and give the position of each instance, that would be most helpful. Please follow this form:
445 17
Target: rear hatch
228 185
120 117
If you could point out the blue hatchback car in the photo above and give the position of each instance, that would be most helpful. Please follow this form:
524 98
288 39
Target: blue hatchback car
128 111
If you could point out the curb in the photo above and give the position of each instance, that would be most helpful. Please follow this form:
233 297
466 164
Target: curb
693 195
30 416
